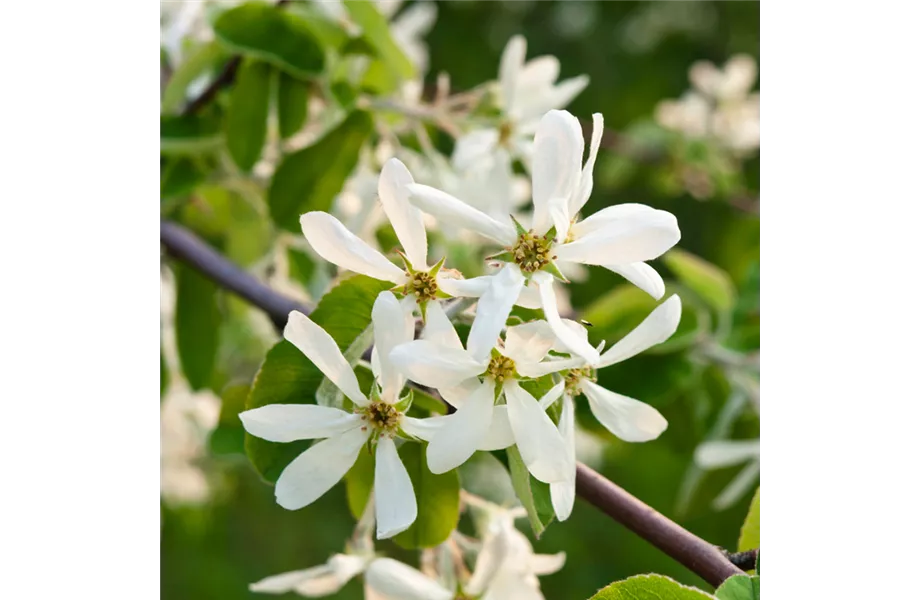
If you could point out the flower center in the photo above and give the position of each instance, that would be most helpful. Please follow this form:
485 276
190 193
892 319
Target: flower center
532 252
574 378
381 416
504 133
500 368
423 285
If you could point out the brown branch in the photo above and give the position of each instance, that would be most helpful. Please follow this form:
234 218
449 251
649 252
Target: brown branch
699 556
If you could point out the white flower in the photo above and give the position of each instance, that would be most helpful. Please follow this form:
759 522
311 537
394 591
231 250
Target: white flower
726 453
315 582
439 360
409 29
398 581
379 418
626 418
420 282
527 91
619 238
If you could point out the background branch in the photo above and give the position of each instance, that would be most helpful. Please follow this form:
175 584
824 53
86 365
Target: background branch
698 555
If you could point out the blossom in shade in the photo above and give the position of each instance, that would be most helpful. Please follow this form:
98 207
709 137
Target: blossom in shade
727 453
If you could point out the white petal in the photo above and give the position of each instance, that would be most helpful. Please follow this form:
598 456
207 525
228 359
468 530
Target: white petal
320 467
586 182
500 434
540 443
492 311
321 349
605 216
463 432
435 365
457 395
642 276
397 580
424 429
628 419
445 207
464 288
566 335
335 243
392 327
289 422
546 564
557 96
529 342
656 328
539 73
439 330
474 149
558 148
725 453
509 67
407 220
562 493
737 488
552 366
394 498
552 395
320 577
636 238
529 297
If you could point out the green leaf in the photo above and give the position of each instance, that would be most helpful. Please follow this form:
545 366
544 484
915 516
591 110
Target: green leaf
164 375
376 31
191 134
311 178
227 437
247 117
650 587
739 587
438 498
300 266
534 495
179 175
292 104
750 531
197 64
197 323
710 282
281 38
288 377
359 481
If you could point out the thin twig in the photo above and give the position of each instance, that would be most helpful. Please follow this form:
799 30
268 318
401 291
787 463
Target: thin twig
696 554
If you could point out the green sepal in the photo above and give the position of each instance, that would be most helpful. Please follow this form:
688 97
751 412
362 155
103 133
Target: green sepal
423 308
553 270
517 226
504 255
405 403
551 234
434 270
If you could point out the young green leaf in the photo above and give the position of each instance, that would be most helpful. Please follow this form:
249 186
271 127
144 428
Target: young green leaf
750 531
247 117
197 64
438 498
179 175
191 134
197 322
650 587
708 281
293 96
533 494
739 587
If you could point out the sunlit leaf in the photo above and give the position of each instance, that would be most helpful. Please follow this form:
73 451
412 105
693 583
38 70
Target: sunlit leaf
750 531
710 282
533 494
739 587
438 498
650 587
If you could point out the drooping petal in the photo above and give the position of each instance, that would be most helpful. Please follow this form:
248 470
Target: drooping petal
445 207
606 216
392 327
289 422
458 394
435 365
394 498
474 149
540 443
530 297
500 434
558 148
321 349
463 432
556 96
424 429
320 467
566 335
562 493
439 330
552 395
642 276
394 579
546 564
626 418
636 238
528 343
656 328
464 288
537 75
509 67
407 220
492 311
551 366
335 243
725 453
321 580
738 486
586 182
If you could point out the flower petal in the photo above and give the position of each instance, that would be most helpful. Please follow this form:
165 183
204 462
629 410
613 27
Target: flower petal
474 149
608 215
558 148
463 432
528 343
407 220
492 311
464 288
435 365
424 429
439 330
656 328
725 453
556 96
392 327
445 207
530 297
642 276
636 238
551 366
394 498
566 335
457 395
540 443
320 467
562 493
289 422
321 349
397 580
320 577
546 564
500 434
626 418
509 67
335 243
552 395
586 182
